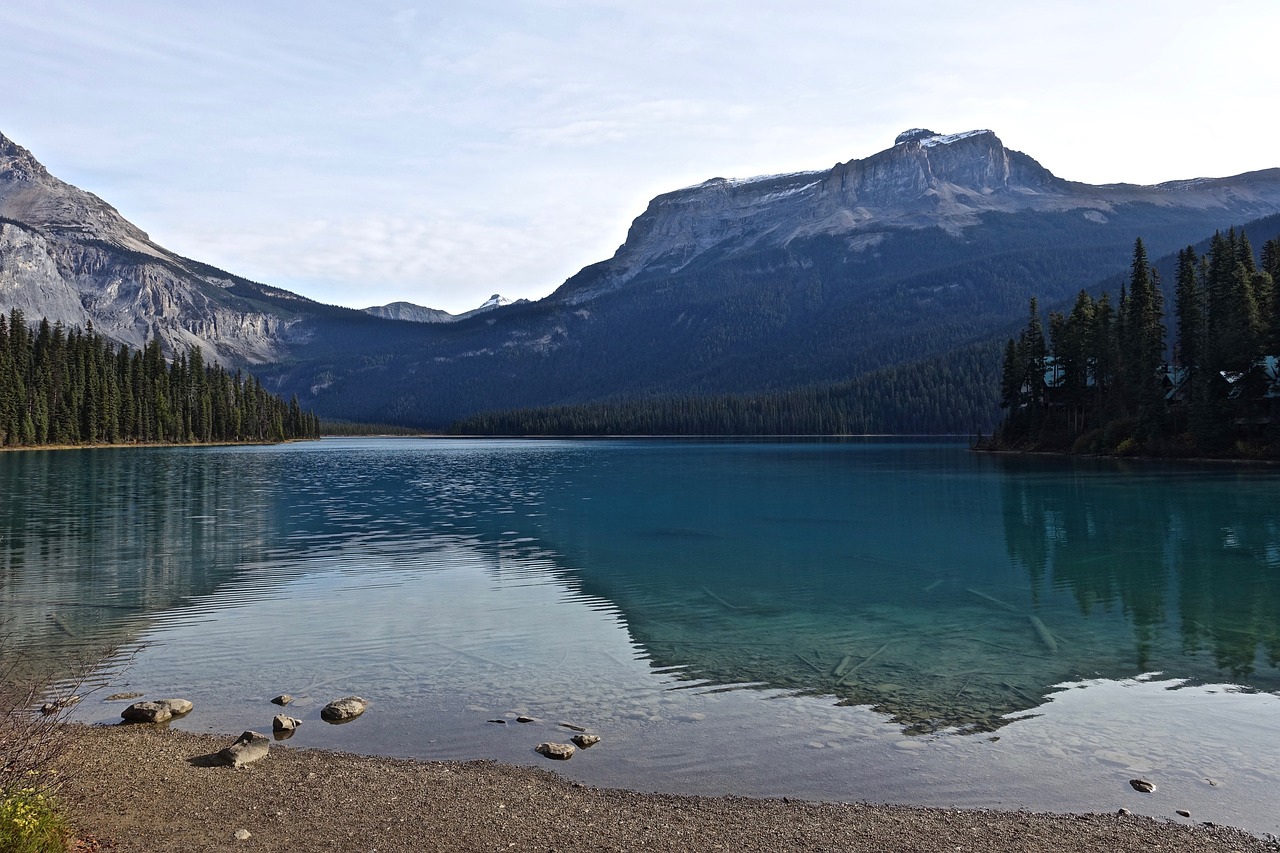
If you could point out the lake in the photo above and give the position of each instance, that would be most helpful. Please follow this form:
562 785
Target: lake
877 620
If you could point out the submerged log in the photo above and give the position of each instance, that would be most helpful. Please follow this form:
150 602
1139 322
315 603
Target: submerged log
1043 633
860 664
721 600
1006 605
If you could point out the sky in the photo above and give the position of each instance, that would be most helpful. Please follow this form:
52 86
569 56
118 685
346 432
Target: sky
440 152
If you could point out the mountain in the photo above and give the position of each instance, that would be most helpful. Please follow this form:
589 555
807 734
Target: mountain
728 286
68 256
762 284
419 314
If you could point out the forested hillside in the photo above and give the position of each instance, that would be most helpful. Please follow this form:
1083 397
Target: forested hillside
60 386
951 394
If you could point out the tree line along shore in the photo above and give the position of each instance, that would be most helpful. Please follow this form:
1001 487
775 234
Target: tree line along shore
1103 378
73 387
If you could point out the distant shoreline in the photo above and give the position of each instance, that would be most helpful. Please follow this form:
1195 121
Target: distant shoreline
1134 457
137 444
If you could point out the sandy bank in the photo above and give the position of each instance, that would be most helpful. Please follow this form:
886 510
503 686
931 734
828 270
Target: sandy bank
143 788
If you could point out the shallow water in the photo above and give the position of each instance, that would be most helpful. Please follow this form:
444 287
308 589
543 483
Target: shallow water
902 622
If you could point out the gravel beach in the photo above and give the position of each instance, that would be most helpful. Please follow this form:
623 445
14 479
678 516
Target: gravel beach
147 788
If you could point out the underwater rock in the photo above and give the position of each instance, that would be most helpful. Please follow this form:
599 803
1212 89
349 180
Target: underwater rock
558 751
571 727
523 719
1142 785
342 710
585 741
246 749
1184 812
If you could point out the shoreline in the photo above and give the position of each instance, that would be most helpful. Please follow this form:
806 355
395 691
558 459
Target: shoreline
126 445
144 787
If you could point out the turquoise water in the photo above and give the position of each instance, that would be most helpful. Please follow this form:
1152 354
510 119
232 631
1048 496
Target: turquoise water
902 622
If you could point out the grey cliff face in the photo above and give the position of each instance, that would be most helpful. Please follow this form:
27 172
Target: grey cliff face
68 256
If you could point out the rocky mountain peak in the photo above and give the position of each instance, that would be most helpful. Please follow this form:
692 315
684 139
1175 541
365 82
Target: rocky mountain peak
18 164
32 196
915 134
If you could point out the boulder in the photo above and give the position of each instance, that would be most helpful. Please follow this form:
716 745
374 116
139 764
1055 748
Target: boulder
342 710
246 749
585 741
281 723
147 712
282 700
177 707
558 751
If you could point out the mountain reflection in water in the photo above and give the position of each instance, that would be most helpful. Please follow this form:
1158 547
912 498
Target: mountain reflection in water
878 577
948 590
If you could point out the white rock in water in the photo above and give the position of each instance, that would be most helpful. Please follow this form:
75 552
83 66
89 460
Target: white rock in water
558 751
146 712
341 710
177 707
282 723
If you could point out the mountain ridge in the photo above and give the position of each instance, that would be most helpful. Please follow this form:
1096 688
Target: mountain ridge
924 180
728 286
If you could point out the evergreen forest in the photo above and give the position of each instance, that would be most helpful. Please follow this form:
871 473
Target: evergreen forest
60 386
951 394
1111 376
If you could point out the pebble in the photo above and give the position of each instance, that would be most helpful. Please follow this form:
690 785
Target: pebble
1142 785
242 835
1184 812
282 700
585 741
523 719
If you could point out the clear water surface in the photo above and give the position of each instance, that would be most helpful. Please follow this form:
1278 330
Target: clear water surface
871 620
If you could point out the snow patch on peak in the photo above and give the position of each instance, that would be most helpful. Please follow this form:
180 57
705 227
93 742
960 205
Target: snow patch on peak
949 138
758 179
928 138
